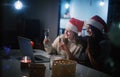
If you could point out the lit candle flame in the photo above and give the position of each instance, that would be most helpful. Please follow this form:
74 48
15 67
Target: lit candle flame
25 59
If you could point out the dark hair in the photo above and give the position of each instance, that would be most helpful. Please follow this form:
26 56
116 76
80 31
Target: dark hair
77 39
97 34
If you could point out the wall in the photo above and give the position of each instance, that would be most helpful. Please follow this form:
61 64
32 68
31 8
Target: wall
47 11
36 14
85 9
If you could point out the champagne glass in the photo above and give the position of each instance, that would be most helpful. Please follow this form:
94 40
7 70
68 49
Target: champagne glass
46 33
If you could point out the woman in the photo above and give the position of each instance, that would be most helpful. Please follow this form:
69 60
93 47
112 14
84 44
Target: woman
67 44
97 44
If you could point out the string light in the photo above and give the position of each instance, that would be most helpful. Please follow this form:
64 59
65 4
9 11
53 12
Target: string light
67 5
102 3
18 5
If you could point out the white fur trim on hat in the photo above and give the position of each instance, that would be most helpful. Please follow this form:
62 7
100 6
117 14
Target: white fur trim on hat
72 27
96 24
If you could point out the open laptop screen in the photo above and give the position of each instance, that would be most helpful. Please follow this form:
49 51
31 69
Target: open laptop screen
27 50
26 47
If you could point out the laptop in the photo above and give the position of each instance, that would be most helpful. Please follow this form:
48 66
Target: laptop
27 50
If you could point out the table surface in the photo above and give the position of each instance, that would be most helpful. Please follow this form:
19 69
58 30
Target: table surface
11 68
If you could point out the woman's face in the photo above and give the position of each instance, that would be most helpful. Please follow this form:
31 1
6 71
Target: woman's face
89 30
69 34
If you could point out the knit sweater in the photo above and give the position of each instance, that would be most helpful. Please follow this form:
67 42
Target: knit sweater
74 48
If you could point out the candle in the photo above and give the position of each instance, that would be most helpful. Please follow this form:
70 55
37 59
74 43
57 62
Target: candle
25 59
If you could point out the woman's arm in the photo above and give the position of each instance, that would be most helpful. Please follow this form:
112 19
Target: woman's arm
90 51
64 47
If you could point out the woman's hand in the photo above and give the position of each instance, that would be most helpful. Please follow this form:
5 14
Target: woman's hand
46 41
64 47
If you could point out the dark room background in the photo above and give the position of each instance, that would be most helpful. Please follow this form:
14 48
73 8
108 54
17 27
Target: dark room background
29 21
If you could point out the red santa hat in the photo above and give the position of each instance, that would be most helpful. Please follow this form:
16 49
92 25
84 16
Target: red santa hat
75 25
98 22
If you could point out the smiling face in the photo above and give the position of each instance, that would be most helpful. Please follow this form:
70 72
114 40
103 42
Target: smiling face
89 30
69 34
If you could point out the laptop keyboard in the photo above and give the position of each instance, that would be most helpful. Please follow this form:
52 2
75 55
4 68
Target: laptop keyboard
41 58
38 57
